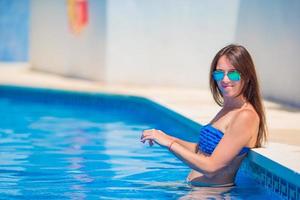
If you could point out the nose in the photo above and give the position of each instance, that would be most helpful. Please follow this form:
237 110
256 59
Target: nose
225 78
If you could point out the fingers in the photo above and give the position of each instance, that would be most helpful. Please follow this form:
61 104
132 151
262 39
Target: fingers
148 135
155 136
151 143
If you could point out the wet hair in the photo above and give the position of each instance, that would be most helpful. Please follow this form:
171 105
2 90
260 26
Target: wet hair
240 58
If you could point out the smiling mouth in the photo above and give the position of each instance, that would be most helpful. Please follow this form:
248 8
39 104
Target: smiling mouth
226 86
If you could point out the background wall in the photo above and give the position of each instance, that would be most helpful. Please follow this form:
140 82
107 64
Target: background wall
141 42
170 42
166 42
55 48
271 31
14 28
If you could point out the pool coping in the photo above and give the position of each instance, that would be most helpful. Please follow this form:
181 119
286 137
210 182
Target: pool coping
271 173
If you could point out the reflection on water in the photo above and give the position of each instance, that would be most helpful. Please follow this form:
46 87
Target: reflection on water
208 193
51 152
14 152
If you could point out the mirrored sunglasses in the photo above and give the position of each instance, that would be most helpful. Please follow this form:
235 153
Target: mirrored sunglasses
234 75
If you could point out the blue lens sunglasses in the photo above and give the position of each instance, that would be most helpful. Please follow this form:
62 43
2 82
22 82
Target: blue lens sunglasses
234 75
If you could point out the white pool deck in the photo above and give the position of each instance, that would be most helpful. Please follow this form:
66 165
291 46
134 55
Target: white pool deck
197 104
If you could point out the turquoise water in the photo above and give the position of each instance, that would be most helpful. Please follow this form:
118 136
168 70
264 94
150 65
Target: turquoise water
65 151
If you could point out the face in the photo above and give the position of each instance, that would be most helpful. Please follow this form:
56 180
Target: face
228 87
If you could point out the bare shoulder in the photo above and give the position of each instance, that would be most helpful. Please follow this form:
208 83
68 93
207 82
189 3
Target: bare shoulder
247 114
246 120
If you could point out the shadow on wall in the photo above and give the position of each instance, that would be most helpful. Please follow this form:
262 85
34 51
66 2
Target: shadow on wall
270 30
14 16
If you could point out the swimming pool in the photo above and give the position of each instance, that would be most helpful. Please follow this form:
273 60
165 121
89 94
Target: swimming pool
73 145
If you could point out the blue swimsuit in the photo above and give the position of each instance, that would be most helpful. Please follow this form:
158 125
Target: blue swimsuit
210 138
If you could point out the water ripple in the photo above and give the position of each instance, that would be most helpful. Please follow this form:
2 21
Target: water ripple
50 152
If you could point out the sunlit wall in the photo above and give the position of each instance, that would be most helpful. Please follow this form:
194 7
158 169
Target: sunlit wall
166 42
271 31
56 48
145 42
170 42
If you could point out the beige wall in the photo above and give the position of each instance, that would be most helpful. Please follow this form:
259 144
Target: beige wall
140 42
170 42
166 42
271 32
54 48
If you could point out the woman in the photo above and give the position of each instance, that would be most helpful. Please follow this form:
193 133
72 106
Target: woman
237 127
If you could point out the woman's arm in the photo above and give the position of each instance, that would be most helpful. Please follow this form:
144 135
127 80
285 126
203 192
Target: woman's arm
191 146
182 149
237 136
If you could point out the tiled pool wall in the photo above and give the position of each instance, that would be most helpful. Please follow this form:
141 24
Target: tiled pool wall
266 172
275 178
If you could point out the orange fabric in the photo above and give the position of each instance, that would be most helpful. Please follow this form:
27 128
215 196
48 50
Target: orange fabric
78 15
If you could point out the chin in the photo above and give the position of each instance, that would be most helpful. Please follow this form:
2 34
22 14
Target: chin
229 94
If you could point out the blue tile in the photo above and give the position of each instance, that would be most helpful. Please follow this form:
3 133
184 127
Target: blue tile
292 191
276 183
283 188
269 182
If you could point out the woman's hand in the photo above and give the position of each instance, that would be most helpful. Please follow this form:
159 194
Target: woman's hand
157 136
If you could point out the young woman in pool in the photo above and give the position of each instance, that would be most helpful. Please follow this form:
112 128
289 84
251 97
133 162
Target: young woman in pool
237 127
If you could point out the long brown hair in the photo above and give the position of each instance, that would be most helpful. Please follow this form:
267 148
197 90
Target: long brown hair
240 58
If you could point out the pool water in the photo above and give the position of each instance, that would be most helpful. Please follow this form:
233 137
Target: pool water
65 151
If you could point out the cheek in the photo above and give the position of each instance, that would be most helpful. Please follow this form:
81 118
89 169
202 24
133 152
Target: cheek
239 86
